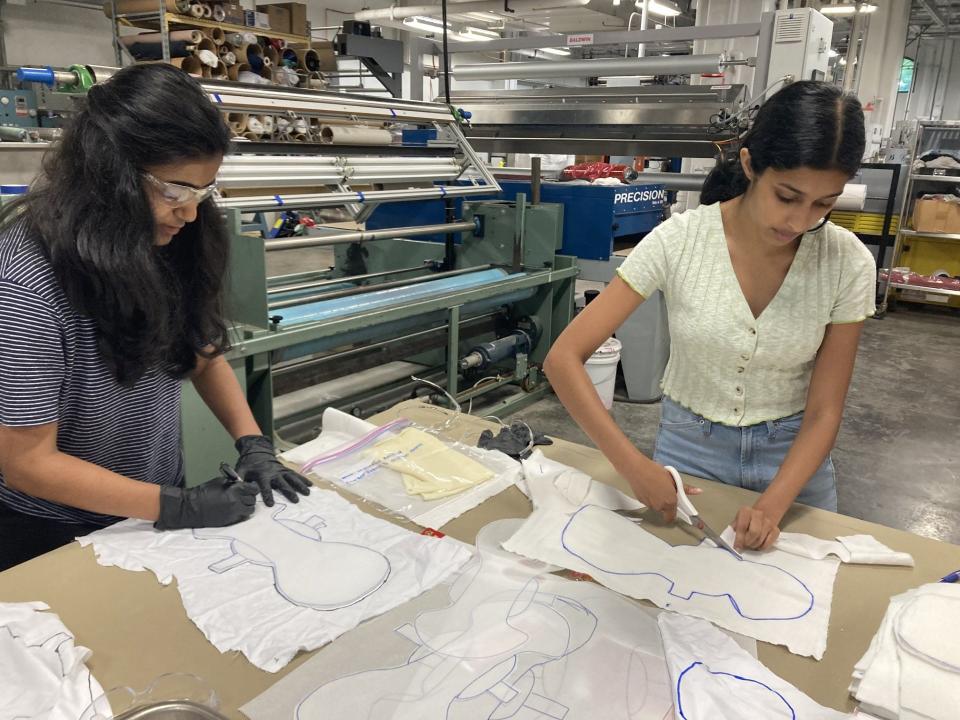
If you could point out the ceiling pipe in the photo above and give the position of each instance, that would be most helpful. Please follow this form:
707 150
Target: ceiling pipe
652 65
398 12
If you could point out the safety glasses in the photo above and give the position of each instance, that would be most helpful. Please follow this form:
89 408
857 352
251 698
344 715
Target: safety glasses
176 195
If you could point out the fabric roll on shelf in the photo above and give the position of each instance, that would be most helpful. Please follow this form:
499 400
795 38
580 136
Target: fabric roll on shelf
219 71
233 71
252 54
354 135
268 124
190 64
219 14
196 10
271 57
228 58
237 122
191 36
217 34
854 197
208 58
308 59
206 43
130 7
154 50
206 12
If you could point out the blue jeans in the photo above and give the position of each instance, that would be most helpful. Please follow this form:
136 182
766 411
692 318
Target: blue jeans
748 457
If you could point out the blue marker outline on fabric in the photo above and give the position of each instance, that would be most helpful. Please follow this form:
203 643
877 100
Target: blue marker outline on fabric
733 601
691 666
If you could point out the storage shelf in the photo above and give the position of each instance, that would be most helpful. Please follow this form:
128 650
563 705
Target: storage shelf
955 179
152 22
921 288
937 235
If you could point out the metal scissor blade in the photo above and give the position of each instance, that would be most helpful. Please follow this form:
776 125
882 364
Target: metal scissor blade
718 541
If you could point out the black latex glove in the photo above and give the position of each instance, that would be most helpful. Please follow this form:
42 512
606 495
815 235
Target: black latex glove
216 503
258 464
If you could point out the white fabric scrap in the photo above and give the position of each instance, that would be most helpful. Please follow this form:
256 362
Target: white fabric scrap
44 675
369 480
713 678
911 670
856 549
292 577
773 596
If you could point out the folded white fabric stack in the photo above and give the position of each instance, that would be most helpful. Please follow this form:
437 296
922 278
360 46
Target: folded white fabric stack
911 670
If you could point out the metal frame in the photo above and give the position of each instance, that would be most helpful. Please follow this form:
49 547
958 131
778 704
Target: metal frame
906 208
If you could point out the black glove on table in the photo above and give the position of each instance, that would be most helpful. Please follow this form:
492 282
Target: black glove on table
258 464
216 503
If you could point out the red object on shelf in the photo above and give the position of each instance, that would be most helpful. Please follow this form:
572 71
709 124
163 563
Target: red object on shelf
594 170
925 281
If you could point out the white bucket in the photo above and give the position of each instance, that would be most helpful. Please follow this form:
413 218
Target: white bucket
602 369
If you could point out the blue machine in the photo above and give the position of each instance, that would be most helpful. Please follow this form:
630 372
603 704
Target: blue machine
18 108
594 216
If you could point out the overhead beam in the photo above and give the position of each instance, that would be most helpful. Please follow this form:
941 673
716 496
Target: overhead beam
617 37
931 8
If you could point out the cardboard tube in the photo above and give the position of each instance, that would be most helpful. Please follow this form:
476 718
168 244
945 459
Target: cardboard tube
251 136
154 50
272 55
228 58
252 55
207 11
219 14
267 122
233 72
189 64
354 135
237 122
266 72
219 72
308 59
125 7
207 44
217 35
196 10
190 36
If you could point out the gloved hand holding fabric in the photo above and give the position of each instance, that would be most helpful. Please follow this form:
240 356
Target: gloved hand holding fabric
216 503
258 464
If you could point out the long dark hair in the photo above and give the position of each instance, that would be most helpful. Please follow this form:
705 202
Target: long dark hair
806 124
90 213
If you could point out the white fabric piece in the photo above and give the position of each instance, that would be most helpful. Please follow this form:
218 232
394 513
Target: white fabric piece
291 577
502 641
911 670
43 675
773 596
856 549
713 678
362 474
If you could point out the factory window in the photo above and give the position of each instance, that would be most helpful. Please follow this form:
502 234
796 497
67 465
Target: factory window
906 75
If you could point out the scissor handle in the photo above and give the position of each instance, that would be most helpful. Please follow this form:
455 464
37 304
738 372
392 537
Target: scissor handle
685 508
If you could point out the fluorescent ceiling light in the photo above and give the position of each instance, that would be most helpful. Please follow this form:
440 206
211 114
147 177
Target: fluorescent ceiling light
616 3
847 9
556 51
660 7
542 53
424 23
492 34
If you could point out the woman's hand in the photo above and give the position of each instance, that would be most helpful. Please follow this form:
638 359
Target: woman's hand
655 489
757 528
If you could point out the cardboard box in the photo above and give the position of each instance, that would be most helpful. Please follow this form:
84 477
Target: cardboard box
234 13
257 20
298 17
278 17
937 216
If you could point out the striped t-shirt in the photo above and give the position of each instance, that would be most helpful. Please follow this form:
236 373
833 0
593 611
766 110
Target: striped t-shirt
51 371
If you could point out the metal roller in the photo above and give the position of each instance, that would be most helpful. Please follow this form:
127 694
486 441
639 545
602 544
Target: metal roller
369 235
317 200
653 65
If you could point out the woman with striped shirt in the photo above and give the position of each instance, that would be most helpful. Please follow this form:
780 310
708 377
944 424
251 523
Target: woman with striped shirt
765 303
111 289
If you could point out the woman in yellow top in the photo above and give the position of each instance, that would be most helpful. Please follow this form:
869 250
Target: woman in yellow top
765 316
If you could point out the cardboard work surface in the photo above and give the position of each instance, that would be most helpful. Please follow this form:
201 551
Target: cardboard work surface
138 629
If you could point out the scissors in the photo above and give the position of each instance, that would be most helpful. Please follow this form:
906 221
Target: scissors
688 513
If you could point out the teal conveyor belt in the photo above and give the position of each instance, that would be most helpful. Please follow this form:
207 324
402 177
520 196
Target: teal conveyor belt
362 303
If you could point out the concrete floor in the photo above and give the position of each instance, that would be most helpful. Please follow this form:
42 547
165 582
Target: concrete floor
898 452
